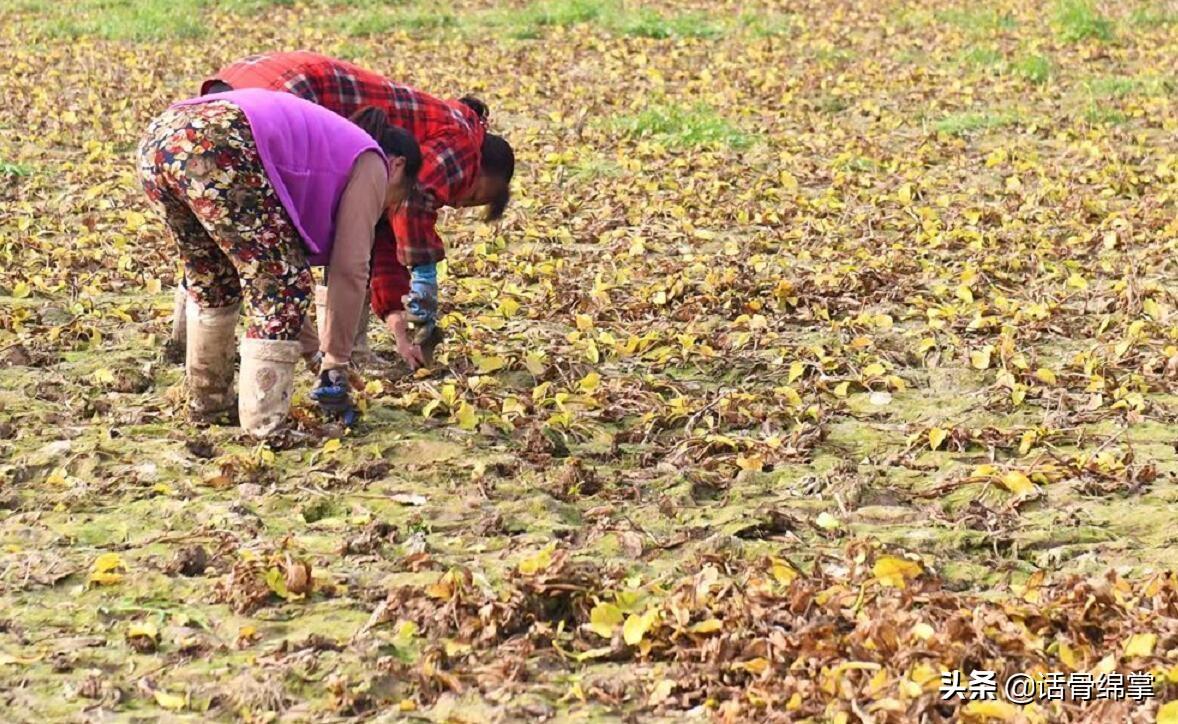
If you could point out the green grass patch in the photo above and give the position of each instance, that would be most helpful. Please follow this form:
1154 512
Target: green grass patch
961 124
682 126
1154 15
1078 20
767 25
649 23
907 19
1112 86
977 20
137 20
1119 86
249 7
1033 68
1096 115
18 170
531 20
832 104
588 169
564 13
381 20
982 57
833 56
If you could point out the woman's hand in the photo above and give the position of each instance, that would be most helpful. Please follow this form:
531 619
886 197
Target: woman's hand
398 324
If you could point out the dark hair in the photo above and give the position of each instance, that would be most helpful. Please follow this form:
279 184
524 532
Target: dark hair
393 140
477 106
498 161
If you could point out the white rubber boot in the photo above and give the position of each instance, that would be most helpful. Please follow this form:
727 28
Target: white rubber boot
266 384
208 358
178 342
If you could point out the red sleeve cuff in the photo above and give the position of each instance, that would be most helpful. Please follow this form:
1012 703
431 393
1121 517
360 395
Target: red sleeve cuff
390 278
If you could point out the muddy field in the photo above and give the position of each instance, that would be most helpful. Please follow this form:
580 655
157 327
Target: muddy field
826 346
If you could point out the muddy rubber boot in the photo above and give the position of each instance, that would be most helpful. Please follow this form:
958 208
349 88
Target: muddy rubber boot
174 349
208 359
266 384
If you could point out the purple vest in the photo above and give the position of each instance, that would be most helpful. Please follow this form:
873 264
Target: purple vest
308 153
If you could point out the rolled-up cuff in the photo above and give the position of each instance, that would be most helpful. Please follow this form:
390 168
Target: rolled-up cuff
387 290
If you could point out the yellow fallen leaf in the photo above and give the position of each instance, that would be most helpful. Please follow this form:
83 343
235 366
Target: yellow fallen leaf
795 371
784 573
440 590
826 521
175 702
636 626
923 631
893 571
105 579
508 307
711 625
754 666
145 629
1001 710
979 359
751 463
1068 655
1027 440
936 436
107 562
534 361
1045 376
604 618
466 417
1017 483
1141 644
589 382
875 369
488 364
331 445
1168 713
134 220
537 562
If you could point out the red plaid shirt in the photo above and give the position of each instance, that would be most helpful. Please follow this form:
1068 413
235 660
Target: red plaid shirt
449 133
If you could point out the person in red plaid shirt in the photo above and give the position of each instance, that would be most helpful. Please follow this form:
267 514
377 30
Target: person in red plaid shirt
462 165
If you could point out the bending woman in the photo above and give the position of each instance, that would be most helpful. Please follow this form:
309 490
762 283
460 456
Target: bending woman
463 165
256 187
